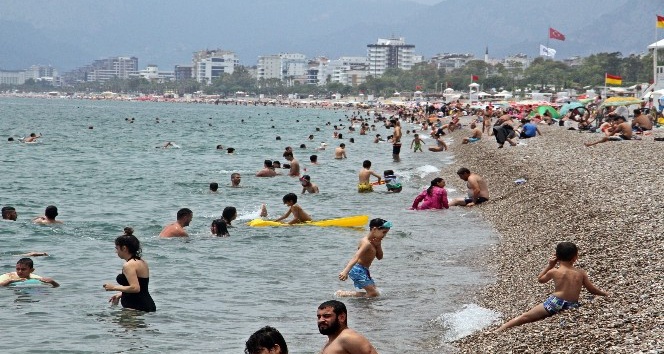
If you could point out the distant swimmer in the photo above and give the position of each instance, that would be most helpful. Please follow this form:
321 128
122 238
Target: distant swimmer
49 216
176 229
214 187
333 323
364 183
236 178
307 186
169 144
322 146
9 213
369 248
299 215
267 171
478 192
135 277
313 159
32 138
340 152
24 269
219 227
294 170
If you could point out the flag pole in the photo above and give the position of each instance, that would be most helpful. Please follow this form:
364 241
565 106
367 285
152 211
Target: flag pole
654 57
605 89
548 38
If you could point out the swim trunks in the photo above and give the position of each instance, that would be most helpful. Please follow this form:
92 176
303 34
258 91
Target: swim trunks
480 200
417 146
360 276
472 140
364 188
554 304
620 137
396 149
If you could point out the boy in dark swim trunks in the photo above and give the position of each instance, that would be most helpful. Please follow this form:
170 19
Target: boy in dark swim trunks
358 268
568 281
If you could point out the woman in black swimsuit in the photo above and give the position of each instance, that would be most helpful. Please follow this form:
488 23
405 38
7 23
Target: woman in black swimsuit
135 275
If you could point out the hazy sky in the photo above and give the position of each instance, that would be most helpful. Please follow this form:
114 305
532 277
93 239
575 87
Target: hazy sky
426 2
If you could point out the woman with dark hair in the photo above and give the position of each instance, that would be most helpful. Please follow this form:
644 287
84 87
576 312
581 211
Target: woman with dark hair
434 197
266 340
219 227
135 275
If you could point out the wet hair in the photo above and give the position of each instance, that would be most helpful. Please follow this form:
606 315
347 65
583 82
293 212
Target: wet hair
10 139
313 158
228 214
388 172
26 262
184 212
338 307
463 171
366 164
288 154
566 251
230 150
341 136
290 197
51 212
302 146
342 145
307 177
352 140
219 147
214 186
637 112
268 163
377 222
266 337
131 242
286 165
6 210
278 137
434 182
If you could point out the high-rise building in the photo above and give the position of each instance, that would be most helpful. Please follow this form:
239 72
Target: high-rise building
12 77
113 67
209 65
288 67
389 53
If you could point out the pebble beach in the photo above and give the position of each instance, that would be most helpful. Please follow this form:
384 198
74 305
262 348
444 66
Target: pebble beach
609 200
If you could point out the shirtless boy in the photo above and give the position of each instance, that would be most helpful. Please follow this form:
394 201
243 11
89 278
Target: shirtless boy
417 143
299 215
294 164
24 269
396 139
307 186
364 184
32 138
340 152
333 323
176 229
368 249
568 282
476 134
478 192
621 131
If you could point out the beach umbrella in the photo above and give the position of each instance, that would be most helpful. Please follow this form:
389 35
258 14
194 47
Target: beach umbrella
620 101
570 106
543 109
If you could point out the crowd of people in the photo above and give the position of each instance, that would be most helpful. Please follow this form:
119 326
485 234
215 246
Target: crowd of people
133 282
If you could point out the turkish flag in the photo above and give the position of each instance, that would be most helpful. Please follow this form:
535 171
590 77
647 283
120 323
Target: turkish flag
553 34
474 77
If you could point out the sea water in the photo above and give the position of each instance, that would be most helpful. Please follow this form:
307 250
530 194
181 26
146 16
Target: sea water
104 173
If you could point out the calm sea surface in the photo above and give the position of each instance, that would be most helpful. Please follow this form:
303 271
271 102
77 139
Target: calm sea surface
212 293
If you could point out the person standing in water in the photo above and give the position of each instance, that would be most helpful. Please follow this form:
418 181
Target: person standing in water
135 276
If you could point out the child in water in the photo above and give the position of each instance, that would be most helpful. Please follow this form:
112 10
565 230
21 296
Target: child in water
299 215
568 281
417 143
392 182
24 269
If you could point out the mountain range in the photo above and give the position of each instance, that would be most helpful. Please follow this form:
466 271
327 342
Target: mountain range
72 33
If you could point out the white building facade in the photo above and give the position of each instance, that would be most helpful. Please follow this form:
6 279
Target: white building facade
351 71
209 65
286 67
390 53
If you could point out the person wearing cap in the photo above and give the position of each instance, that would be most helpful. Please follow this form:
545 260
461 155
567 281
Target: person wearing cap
621 131
307 186
357 269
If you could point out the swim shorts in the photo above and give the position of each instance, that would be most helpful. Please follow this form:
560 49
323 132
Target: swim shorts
396 149
472 140
554 304
480 200
360 276
618 138
364 188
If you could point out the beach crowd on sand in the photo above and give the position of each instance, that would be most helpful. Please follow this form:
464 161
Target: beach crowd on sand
566 212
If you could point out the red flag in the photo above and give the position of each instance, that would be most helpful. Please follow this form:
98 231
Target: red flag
418 87
474 77
553 34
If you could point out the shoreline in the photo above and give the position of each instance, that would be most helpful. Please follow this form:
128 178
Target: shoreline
609 201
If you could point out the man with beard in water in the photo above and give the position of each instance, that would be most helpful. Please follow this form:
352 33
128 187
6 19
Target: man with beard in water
332 322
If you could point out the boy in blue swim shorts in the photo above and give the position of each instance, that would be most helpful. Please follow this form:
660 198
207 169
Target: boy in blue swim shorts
358 267
568 282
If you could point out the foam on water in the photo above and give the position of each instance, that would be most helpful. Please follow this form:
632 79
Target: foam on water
470 318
